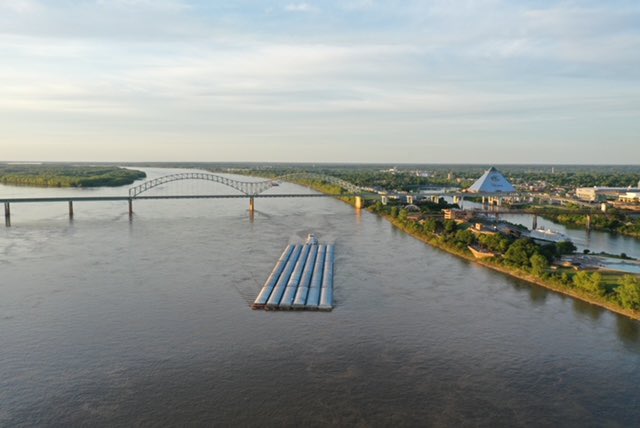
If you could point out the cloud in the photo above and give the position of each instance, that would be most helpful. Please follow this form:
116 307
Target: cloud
370 71
300 7
19 6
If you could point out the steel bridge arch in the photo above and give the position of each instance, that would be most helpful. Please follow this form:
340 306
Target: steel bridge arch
350 187
249 188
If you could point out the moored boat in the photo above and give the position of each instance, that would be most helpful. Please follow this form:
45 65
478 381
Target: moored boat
547 235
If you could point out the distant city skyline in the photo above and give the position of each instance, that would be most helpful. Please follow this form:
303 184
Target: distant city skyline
482 82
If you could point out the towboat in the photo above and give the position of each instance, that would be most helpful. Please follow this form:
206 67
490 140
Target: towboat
312 240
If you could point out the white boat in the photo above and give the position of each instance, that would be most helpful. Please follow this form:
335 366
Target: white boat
312 240
548 235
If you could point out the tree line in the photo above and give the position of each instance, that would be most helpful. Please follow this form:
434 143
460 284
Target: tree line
67 175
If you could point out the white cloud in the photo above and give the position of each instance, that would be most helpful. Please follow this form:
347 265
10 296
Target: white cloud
365 70
300 7
19 6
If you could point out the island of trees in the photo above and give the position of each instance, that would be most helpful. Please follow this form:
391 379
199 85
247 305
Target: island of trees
62 175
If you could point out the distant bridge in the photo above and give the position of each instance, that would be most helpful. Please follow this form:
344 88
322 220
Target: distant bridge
249 189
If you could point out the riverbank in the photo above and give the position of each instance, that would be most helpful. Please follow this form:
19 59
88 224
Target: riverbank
518 273
550 284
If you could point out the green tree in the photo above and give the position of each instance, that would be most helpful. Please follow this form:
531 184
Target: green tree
464 238
520 252
402 215
450 226
628 292
589 282
394 212
431 225
539 265
496 242
565 247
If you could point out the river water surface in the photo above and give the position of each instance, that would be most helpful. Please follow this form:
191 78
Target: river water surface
107 321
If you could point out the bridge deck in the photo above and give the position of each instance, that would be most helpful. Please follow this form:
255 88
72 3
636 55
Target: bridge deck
146 197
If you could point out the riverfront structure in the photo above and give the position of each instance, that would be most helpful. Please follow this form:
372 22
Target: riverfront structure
593 194
492 181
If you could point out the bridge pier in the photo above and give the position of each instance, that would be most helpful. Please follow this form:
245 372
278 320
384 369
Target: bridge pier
359 202
252 204
7 214
70 209
130 206
588 221
534 226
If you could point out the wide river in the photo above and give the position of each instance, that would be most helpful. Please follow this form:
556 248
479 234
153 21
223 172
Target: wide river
107 321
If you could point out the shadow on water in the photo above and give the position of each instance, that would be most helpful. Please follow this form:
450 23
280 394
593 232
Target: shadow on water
592 311
628 331
538 295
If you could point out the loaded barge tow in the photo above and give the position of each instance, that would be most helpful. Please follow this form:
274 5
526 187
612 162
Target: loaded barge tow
301 279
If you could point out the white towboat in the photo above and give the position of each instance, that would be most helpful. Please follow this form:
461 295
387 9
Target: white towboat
312 240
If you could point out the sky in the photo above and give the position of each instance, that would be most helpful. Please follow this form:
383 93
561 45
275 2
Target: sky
486 81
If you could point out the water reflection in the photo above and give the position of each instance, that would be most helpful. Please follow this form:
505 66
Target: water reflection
592 311
538 295
628 330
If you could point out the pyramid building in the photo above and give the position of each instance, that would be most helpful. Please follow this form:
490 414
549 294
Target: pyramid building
492 181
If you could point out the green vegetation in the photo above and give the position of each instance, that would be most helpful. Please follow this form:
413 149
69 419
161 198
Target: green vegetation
409 177
628 292
524 259
50 175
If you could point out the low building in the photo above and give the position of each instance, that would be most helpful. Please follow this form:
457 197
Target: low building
457 214
630 198
598 194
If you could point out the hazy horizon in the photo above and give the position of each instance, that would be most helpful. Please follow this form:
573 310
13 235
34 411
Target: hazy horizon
360 81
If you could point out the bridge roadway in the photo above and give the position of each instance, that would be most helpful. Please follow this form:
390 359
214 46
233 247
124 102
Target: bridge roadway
71 199
138 198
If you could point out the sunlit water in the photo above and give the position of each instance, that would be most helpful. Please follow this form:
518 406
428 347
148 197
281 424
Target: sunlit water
106 321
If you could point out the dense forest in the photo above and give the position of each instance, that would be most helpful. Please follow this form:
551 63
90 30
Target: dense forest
63 175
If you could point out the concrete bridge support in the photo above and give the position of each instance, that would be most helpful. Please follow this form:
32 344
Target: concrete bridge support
70 209
359 202
252 204
130 206
534 226
588 221
7 214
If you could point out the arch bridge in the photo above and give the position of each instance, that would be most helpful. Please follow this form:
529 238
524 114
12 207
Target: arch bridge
248 188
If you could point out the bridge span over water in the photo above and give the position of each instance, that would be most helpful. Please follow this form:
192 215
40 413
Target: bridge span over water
249 189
